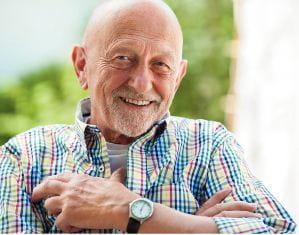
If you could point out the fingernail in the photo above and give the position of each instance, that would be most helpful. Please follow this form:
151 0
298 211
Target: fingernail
258 215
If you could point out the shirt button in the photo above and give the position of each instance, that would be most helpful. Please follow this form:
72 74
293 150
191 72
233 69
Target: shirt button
101 168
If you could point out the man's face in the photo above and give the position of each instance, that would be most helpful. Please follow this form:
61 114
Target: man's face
132 78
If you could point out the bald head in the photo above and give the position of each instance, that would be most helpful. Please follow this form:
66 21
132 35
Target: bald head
152 18
131 63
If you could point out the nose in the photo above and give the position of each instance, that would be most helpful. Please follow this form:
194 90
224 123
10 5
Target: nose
141 79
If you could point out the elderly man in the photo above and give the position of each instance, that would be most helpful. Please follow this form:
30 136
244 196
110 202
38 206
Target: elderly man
127 165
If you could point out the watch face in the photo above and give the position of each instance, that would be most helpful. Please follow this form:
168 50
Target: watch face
141 209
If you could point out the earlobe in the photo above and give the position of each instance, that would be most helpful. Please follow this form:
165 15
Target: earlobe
79 63
182 73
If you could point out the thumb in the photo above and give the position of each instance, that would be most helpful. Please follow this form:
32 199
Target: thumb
119 175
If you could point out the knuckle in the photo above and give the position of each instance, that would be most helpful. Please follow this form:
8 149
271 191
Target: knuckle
216 197
60 221
248 214
218 207
47 204
47 184
60 177
69 205
76 190
236 205
68 196
224 214
240 204
218 194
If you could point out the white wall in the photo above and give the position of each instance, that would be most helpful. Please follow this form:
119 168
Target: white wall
267 94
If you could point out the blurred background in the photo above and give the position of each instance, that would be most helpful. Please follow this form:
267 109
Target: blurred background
243 71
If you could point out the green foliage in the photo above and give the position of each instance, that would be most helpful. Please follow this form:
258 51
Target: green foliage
50 95
208 30
46 96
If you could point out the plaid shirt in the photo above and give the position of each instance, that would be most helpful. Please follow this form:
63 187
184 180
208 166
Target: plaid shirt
179 162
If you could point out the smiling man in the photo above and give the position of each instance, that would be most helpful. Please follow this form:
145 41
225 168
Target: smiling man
127 165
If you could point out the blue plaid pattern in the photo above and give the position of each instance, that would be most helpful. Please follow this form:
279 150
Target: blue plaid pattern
179 162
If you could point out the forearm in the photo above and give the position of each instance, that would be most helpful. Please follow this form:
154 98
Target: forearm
168 220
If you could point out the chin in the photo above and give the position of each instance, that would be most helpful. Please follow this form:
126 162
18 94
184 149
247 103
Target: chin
133 132
133 124
135 128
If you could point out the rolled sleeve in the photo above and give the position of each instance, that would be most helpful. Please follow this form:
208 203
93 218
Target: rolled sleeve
229 169
248 225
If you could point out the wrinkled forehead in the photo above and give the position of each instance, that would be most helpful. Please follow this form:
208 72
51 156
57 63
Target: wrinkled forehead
146 21
140 46
134 33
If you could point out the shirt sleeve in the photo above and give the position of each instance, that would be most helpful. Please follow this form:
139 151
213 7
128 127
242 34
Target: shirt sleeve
17 214
228 169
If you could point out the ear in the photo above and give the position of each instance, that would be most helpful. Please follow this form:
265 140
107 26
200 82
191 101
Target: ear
79 62
182 73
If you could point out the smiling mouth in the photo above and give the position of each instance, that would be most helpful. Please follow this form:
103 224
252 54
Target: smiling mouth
136 102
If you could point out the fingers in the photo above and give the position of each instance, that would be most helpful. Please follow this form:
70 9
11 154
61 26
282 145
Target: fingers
214 200
65 177
75 230
230 206
47 188
239 214
119 175
53 205
62 224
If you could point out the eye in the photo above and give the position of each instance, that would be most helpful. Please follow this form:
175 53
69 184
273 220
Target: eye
122 57
162 67
122 62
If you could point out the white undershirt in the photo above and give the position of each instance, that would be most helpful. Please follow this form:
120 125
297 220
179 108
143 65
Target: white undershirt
117 154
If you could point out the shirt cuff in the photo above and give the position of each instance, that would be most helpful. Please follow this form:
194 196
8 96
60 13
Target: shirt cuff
241 225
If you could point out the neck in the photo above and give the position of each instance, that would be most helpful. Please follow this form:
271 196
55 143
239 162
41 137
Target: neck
116 138
113 136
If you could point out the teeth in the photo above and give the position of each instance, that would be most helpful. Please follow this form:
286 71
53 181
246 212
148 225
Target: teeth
136 102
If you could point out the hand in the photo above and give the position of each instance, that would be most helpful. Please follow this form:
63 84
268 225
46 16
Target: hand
237 209
85 202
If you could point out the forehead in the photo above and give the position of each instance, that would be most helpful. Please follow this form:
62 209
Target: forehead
138 24
134 34
140 43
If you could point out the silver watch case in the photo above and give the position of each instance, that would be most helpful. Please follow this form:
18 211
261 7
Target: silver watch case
141 220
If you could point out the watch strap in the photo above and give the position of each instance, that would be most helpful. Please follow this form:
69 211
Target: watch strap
133 225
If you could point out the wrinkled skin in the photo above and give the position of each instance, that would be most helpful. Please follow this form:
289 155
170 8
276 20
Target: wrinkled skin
136 55
131 53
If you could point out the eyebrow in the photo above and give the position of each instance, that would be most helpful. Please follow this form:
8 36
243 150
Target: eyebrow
168 52
130 45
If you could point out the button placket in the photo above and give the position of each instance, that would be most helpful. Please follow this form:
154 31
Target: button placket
101 168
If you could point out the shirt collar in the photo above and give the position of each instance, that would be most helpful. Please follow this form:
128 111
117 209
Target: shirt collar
82 126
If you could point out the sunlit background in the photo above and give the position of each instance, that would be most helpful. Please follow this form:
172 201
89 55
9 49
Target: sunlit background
243 71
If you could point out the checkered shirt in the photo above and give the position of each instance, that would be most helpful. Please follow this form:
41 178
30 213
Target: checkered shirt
179 163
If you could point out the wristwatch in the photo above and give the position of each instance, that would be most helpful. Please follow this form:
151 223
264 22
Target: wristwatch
140 210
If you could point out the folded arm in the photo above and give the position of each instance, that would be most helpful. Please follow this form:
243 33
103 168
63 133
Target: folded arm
228 169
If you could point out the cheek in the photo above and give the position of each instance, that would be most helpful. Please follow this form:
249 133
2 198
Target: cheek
165 89
105 80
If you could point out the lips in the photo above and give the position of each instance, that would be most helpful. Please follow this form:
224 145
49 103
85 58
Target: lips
135 102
